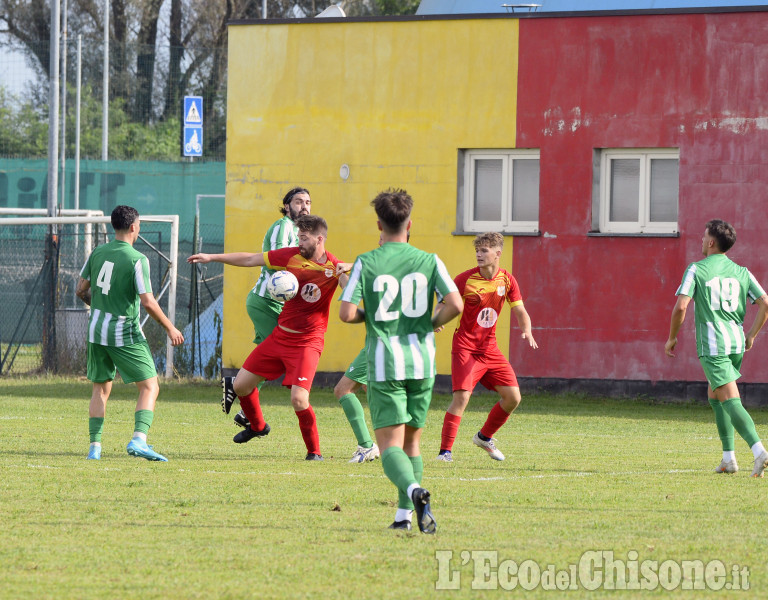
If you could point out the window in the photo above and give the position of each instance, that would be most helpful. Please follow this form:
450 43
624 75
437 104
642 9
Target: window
639 191
499 191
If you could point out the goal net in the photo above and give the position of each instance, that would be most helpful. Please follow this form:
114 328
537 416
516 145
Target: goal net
43 325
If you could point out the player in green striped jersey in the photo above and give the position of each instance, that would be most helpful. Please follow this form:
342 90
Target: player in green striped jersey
114 282
397 284
720 289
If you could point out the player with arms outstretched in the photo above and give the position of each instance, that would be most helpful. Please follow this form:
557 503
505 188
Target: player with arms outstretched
262 308
475 354
397 284
114 282
720 289
294 347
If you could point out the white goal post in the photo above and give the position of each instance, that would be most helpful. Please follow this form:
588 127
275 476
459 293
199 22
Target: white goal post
173 259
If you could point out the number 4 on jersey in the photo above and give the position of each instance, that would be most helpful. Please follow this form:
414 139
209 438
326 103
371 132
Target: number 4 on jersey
105 276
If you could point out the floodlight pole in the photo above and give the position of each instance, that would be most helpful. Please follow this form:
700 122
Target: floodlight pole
51 251
105 91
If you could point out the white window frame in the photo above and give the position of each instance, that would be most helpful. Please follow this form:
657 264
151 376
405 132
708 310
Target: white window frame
643 224
505 224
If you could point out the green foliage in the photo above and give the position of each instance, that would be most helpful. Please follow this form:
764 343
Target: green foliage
581 474
24 130
397 7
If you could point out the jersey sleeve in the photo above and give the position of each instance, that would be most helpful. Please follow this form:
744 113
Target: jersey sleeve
688 285
461 281
755 290
443 284
278 259
354 291
141 273
85 272
514 296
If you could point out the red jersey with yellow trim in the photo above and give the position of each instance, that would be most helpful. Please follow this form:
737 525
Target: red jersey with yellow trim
483 301
307 311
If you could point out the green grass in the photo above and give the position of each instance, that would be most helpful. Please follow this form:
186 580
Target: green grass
256 521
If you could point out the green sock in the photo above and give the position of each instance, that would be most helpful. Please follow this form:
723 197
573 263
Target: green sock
143 420
724 425
95 427
741 420
399 469
356 417
403 501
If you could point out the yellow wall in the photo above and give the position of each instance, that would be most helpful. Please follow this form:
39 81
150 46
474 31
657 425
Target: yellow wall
387 98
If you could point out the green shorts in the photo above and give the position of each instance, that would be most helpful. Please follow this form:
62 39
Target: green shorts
134 362
400 402
358 370
720 370
263 314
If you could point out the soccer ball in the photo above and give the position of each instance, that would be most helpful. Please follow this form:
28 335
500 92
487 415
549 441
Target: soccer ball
282 285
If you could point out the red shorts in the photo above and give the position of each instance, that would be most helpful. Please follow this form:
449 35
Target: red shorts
294 354
489 368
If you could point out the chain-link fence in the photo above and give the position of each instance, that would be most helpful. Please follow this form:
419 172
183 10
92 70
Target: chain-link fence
43 325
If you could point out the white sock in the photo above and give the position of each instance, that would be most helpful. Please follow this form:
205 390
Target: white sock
404 514
758 449
140 436
95 444
729 455
409 491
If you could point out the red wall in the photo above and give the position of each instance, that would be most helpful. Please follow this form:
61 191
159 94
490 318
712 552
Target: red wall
600 306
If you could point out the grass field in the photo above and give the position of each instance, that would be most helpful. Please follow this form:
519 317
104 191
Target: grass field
221 520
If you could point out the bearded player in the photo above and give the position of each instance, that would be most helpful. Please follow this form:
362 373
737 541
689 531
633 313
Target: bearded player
294 347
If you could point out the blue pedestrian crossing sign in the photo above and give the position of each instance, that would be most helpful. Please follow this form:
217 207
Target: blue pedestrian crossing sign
193 110
193 141
193 126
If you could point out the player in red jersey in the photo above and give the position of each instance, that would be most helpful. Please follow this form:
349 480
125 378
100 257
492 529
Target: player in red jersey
475 355
295 345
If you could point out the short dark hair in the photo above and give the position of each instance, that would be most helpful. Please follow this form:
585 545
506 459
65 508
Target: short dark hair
723 232
123 217
393 207
313 224
289 196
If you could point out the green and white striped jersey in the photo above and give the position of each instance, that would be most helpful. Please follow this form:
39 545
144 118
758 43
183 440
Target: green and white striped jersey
397 284
283 233
118 274
719 288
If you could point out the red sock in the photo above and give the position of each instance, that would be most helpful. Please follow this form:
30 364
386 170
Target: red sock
496 418
308 426
252 409
450 429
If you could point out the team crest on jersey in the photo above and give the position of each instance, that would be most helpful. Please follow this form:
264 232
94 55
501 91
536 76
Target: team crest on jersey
487 318
310 293
328 273
501 290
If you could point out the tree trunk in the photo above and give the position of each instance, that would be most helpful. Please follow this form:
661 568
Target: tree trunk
145 62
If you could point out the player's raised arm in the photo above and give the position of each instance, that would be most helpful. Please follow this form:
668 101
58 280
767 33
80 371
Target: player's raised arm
235 259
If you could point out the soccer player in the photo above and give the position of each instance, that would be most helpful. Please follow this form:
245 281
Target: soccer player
355 377
475 354
294 347
396 283
720 289
120 278
262 308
